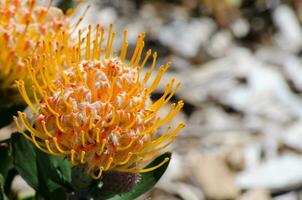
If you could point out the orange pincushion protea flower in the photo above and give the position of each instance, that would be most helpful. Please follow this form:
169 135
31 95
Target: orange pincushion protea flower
98 112
23 24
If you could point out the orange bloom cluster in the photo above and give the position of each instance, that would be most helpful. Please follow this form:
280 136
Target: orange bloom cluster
98 110
23 25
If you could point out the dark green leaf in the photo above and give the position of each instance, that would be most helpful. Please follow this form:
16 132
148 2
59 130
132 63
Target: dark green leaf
81 181
46 174
1 182
55 169
24 159
6 167
148 180
5 158
63 167
9 180
58 194
2 195
46 185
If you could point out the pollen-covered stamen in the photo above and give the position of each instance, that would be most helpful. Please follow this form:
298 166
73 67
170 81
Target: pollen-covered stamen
98 111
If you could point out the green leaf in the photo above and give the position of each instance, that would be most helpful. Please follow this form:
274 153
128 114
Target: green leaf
46 185
58 194
2 195
57 169
47 174
148 180
63 165
1 182
9 177
82 181
5 158
6 166
24 159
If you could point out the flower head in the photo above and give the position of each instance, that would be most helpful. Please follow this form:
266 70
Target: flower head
23 25
98 111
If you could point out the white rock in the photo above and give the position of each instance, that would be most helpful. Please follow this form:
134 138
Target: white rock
292 136
289 63
214 177
6 131
257 194
210 77
157 194
240 27
290 32
276 174
226 138
185 191
21 188
180 64
234 157
186 37
215 119
174 172
252 155
265 95
287 196
220 43
94 15
266 86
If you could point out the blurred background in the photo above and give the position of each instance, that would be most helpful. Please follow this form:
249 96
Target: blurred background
240 65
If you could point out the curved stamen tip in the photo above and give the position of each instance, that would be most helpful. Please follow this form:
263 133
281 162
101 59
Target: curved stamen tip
101 169
154 167
182 124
